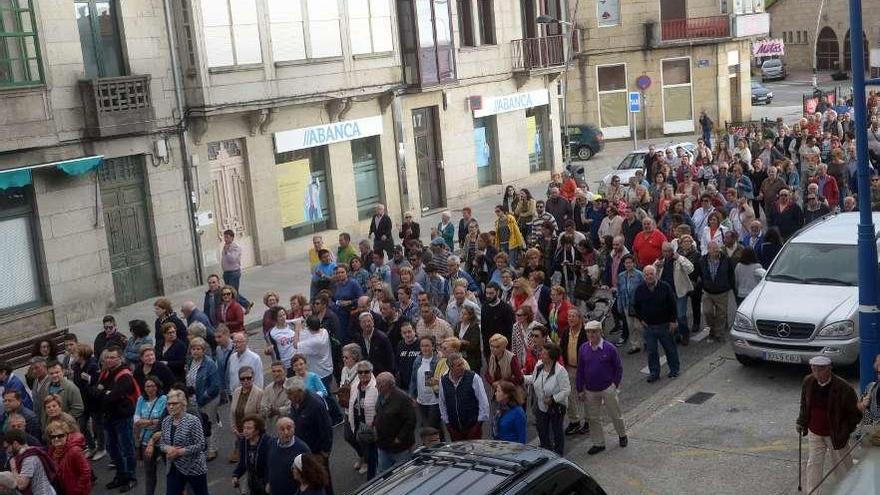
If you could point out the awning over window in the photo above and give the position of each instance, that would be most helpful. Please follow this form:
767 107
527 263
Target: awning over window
21 176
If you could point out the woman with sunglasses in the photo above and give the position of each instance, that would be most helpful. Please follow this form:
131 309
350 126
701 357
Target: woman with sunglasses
245 401
73 470
229 311
148 415
362 412
183 443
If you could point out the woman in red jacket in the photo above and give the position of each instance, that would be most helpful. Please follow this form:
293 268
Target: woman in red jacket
66 448
229 311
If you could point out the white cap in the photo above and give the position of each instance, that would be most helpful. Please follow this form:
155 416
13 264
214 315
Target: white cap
820 361
298 462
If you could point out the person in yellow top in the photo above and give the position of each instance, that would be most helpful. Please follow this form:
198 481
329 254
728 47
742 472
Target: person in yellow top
508 237
447 347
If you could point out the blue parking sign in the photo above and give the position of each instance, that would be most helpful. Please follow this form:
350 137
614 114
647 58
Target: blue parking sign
635 102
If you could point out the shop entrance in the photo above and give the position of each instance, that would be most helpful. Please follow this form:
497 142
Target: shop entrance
429 158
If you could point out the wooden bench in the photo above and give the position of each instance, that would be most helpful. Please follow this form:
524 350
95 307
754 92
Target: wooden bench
18 354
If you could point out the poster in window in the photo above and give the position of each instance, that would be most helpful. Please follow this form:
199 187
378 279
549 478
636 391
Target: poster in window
532 138
299 193
482 147
608 12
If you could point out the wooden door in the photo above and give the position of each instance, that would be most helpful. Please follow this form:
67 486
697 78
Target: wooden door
735 99
827 50
127 224
429 158
232 200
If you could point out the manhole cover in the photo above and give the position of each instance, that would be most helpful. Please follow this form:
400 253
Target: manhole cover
699 398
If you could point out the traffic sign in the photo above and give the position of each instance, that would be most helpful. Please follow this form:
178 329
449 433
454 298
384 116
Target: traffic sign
635 102
643 82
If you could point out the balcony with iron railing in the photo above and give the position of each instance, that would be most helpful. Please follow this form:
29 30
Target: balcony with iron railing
543 53
695 28
117 105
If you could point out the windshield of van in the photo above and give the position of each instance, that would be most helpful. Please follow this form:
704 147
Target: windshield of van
820 264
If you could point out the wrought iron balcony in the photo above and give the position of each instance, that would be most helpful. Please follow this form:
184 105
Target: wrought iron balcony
694 28
546 52
117 105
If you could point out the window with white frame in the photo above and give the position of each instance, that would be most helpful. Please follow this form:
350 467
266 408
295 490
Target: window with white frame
232 36
303 29
613 108
677 95
370 26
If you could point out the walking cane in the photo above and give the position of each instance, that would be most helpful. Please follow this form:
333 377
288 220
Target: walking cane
800 451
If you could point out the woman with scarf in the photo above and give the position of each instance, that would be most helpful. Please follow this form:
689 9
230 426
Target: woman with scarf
502 363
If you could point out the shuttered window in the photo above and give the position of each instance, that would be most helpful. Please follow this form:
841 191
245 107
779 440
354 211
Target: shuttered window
22 281
304 29
232 35
370 26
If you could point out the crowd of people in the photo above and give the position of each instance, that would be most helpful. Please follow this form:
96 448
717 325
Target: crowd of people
463 337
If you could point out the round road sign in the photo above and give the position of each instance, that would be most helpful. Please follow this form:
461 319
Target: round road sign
643 82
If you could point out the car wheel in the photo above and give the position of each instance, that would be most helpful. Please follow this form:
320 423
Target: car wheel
746 360
769 101
585 153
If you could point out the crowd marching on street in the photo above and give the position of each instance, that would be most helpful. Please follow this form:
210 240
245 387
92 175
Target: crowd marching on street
492 323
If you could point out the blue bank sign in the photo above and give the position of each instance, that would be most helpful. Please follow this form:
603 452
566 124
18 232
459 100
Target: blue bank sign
320 135
493 105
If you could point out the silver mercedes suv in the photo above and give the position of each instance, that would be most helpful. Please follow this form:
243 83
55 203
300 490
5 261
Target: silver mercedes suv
806 304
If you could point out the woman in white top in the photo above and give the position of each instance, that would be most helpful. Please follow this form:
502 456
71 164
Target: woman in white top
713 231
362 413
744 273
281 338
351 355
549 390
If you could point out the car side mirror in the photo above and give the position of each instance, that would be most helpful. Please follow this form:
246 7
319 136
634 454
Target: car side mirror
759 273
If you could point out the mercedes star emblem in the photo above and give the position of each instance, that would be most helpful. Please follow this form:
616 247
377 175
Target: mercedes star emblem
783 330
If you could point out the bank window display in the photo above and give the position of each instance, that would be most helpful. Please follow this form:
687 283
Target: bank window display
21 288
613 109
484 148
535 139
303 178
678 111
367 175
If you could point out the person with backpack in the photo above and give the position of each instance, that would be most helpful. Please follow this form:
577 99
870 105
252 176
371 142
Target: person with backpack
119 393
34 470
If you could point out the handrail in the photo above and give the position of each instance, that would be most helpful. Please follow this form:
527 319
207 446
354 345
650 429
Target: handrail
716 26
542 52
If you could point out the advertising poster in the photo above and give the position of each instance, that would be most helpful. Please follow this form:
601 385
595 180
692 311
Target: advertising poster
482 147
608 12
532 135
294 191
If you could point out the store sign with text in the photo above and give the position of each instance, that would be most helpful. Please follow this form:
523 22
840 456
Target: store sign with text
320 135
769 48
493 105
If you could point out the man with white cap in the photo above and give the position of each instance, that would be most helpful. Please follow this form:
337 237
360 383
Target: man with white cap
598 380
829 414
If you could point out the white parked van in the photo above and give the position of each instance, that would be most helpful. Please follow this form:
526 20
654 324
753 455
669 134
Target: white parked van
806 304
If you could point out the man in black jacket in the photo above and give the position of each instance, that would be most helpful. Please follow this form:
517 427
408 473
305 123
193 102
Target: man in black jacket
109 337
375 346
496 317
395 422
380 231
718 282
656 310
118 393
309 413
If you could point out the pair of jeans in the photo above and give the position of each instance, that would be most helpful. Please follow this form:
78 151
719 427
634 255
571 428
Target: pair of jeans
175 482
93 440
655 334
372 455
681 307
151 464
333 408
550 433
120 442
233 278
387 459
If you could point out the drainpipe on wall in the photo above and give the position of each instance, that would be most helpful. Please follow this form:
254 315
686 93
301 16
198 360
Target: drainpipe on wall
183 137
400 153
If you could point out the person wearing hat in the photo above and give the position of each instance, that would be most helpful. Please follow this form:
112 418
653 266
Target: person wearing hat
828 415
599 373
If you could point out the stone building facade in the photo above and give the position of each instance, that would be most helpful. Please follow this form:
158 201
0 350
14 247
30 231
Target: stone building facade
689 56
93 210
795 23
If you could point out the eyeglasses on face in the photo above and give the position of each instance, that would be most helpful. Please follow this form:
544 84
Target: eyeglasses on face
57 436
364 372
109 327
226 294
245 378
173 403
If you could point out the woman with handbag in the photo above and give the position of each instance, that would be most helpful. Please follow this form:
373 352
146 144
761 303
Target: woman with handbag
549 391
147 417
202 377
362 411
351 355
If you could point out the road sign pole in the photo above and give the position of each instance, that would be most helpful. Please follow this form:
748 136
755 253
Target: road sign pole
635 126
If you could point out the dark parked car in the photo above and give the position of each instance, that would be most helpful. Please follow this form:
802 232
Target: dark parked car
483 467
584 141
760 94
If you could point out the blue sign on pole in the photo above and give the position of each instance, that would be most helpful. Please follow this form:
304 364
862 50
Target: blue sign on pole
635 102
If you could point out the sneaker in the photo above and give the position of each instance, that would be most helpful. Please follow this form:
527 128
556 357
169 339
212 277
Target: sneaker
624 441
634 350
97 455
357 465
652 379
710 340
595 449
585 429
573 428
212 455
673 374
115 483
128 485
363 469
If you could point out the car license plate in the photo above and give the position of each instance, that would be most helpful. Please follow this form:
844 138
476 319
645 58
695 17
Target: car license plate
782 357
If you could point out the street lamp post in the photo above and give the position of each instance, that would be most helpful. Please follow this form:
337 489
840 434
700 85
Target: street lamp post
869 315
566 34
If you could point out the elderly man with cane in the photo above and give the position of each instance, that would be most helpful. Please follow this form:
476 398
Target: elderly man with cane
828 415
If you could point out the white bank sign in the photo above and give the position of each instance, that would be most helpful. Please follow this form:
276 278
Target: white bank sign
493 105
320 135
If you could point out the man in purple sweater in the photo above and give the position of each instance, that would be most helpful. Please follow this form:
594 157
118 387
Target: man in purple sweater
598 378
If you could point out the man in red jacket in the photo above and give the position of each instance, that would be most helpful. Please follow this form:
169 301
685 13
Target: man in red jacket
828 187
648 244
